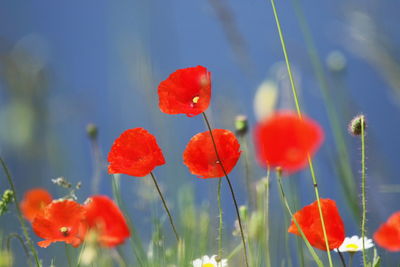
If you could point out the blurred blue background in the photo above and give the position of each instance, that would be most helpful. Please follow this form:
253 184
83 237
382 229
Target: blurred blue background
65 64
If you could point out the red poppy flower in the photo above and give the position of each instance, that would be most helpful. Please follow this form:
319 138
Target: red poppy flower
388 234
135 153
200 157
34 201
310 223
186 91
104 216
284 140
60 221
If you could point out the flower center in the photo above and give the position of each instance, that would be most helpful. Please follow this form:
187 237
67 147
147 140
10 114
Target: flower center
195 99
352 246
207 265
64 231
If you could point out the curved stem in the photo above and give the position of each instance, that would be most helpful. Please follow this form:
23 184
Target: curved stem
220 219
165 205
21 241
285 201
19 213
363 178
230 188
294 91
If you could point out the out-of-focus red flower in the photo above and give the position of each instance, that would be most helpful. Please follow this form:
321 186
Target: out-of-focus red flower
199 155
186 91
61 221
107 219
310 223
388 234
34 201
135 153
284 140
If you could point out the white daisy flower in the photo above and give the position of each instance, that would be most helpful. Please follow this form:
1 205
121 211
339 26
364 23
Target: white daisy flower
206 261
354 244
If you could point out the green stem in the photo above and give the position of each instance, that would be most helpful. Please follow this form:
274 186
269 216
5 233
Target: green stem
363 178
347 177
21 241
294 91
310 248
230 188
67 254
246 163
19 213
165 205
266 219
220 219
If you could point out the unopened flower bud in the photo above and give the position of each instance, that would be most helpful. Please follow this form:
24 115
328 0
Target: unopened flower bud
92 131
241 125
355 125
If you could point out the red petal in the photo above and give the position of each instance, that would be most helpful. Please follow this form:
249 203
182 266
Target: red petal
34 201
284 140
388 234
135 153
309 221
178 91
199 155
108 219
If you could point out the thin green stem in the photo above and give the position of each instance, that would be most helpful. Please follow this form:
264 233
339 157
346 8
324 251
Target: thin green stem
21 241
351 259
19 213
294 91
347 177
246 165
67 254
220 219
285 201
165 205
266 220
363 178
230 188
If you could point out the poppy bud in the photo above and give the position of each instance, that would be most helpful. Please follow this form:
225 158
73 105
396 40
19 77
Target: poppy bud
355 125
336 61
92 131
241 125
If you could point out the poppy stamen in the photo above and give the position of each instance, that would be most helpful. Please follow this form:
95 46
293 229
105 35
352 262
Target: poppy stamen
64 230
195 99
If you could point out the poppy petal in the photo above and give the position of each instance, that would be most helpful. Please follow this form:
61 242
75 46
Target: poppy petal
199 155
309 221
103 215
285 140
34 201
186 91
135 153
388 234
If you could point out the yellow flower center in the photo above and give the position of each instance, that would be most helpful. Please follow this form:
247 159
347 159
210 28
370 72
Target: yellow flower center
207 265
352 246
64 231
195 99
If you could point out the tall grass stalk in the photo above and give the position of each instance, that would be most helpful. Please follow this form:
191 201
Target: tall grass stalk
21 241
285 201
19 213
294 91
165 206
230 188
346 177
363 178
